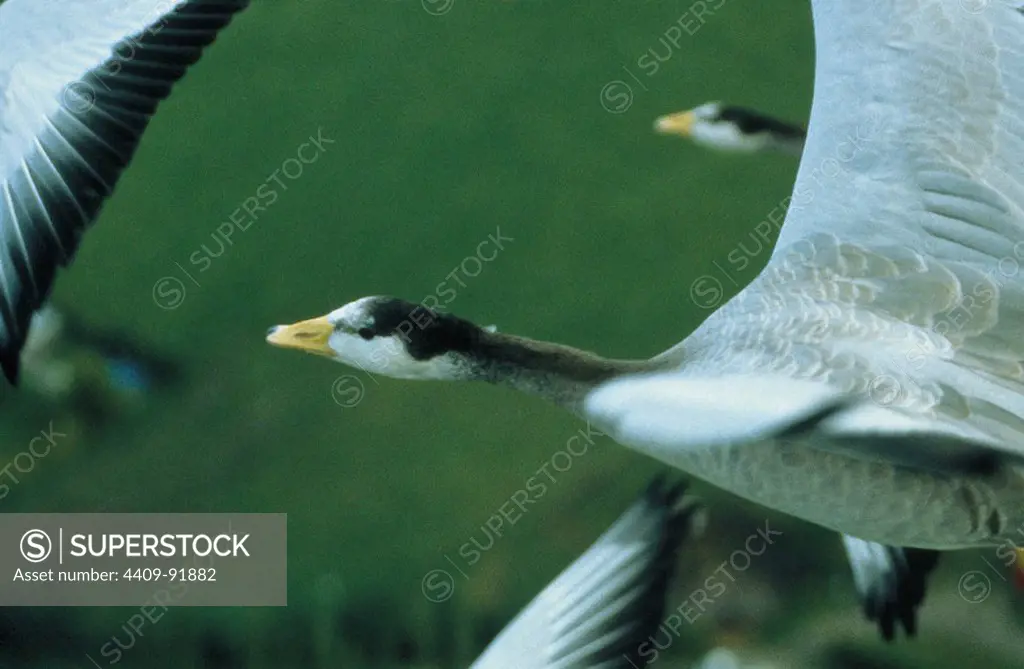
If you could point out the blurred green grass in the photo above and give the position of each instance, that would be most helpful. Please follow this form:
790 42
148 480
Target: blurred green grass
445 129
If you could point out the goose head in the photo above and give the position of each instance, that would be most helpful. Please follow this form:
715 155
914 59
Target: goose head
732 129
386 336
706 126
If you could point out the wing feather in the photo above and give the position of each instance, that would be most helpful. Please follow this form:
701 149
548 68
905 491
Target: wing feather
79 83
603 606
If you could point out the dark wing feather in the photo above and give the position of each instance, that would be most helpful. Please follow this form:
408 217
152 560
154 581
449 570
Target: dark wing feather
891 582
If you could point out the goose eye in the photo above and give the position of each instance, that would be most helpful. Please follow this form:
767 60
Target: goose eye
365 333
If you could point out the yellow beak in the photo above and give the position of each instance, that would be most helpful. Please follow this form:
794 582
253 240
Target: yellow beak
680 123
310 336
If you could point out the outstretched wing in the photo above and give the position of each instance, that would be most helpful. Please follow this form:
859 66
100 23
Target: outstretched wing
79 82
599 611
897 276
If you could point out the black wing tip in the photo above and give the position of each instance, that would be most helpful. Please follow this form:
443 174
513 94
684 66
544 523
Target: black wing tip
10 363
896 603
680 517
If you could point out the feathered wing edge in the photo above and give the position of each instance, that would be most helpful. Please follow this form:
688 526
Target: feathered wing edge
603 607
46 206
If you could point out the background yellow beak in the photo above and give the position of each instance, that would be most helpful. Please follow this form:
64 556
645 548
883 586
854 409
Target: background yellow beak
310 336
680 123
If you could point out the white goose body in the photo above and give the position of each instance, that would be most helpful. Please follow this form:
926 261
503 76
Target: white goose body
906 373
858 497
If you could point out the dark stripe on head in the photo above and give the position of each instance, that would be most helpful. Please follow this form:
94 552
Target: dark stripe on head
751 123
425 332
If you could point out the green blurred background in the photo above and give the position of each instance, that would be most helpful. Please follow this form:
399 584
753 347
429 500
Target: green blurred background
447 125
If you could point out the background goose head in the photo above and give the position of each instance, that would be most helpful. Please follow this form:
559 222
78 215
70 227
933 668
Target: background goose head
733 129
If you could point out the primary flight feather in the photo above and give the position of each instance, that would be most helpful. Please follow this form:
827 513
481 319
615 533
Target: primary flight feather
79 83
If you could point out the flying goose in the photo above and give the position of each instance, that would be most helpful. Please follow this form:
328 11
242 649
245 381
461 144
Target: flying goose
79 82
602 609
871 378
890 581
733 129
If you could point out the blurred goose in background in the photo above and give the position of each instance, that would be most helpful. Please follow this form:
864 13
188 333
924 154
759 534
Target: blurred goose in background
890 581
47 373
602 610
869 380
733 129
60 345
79 82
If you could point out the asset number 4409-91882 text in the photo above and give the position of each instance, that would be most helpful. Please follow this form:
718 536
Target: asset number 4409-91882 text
157 574
207 574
